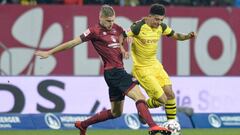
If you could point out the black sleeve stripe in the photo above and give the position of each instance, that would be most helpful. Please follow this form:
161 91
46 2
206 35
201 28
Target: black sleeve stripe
124 34
136 27
164 27
171 34
82 37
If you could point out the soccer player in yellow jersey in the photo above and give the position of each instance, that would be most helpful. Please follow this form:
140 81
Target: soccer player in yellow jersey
147 69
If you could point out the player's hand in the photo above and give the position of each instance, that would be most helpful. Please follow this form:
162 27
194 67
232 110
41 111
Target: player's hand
125 55
192 35
42 54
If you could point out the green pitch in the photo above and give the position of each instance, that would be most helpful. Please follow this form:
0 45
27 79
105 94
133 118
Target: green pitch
119 132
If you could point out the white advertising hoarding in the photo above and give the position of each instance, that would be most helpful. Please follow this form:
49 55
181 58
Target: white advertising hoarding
90 94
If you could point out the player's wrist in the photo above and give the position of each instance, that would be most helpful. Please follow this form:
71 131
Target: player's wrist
50 52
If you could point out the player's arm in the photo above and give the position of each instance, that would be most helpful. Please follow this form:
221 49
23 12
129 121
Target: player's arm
182 37
59 48
166 30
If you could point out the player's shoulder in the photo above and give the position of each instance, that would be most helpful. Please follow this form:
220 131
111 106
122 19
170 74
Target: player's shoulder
117 27
93 29
163 26
136 26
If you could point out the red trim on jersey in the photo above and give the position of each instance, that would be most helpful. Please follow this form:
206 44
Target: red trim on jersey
130 88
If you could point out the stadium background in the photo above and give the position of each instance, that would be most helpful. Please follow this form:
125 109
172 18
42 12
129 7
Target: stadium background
51 94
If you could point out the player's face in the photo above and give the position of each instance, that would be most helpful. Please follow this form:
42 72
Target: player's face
107 22
156 20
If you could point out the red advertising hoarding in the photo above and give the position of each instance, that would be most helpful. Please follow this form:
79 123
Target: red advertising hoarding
23 30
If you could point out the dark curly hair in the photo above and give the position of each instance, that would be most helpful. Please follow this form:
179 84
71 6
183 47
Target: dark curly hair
157 9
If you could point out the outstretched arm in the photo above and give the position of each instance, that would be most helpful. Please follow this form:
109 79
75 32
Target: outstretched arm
182 37
59 48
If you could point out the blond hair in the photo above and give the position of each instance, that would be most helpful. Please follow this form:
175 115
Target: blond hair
107 11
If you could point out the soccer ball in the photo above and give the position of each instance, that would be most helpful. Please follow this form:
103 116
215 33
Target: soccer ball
173 126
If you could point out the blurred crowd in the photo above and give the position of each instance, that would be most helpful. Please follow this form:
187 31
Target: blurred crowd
128 2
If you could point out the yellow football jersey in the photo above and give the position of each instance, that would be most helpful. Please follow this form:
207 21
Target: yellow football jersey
145 42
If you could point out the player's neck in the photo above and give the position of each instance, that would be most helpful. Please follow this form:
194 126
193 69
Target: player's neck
101 25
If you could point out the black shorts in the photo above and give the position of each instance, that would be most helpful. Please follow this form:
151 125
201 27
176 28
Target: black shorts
119 83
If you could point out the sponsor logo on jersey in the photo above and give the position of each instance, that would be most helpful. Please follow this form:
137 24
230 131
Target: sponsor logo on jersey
149 41
114 45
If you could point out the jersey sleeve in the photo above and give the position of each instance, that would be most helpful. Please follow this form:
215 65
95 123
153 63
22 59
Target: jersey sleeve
135 28
166 30
87 35
128 33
